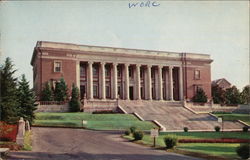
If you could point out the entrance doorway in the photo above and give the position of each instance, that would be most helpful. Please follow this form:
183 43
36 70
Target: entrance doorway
131 93
82 91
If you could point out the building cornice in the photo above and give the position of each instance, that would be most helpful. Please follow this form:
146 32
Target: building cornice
120 52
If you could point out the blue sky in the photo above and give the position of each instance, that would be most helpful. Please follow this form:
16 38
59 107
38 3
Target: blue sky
218 28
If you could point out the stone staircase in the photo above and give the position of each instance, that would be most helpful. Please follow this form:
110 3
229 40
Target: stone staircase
173 116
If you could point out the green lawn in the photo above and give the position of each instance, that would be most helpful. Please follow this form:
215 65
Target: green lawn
94 121
234 116
216 149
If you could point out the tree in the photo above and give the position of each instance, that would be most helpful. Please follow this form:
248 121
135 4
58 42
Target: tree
218 94
47 93
61 91
9 110
245 95
200 96
26 100
232 96
74 103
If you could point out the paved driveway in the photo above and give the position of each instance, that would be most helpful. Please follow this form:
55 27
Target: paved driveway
66 144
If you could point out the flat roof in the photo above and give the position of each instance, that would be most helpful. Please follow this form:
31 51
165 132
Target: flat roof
77 47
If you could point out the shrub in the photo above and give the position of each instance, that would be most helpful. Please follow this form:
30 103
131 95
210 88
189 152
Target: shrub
127 132
217 128
243 151
132 129
185 129
170 141
200 96
138 135
245 129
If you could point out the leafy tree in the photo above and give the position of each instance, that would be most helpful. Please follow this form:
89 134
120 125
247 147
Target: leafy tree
200 96
47 93
26 100
9 101
74 101
232 96
218 94
245 95
61 90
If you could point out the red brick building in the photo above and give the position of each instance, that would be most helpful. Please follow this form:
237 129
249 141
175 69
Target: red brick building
133 74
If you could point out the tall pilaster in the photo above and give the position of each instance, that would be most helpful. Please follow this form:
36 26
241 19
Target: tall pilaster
103 80
138 82
180 83
90 80
171 83
78 74
160 96
126 81
149 90
115 81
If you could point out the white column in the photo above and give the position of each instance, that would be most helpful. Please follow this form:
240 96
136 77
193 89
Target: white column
138 82
149 90
115 81
126 81
171 83
90 80
167 84
78 74
103 80
160 83
180 84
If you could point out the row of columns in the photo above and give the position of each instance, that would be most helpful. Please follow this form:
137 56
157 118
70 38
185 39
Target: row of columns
138 82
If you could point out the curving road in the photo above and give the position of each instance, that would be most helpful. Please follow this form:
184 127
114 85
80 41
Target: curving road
79 144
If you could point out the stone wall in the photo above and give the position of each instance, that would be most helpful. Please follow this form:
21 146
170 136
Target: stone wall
53 108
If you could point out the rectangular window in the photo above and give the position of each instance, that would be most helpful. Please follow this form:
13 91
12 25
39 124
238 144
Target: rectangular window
197 74
82 71
107 92
95 71
119 72
130 70
107 71
196 87
95 91
141 73
57 66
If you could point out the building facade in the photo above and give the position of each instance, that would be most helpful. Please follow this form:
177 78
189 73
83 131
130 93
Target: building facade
131 74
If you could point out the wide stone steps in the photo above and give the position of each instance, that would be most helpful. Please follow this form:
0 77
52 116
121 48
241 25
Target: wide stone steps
174 117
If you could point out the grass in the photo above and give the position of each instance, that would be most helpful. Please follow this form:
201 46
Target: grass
27 141
215 149
234 117
94 121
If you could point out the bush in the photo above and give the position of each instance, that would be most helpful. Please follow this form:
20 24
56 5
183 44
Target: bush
138 135
170 141
132 129
127 132
217 128
185 129
243 151
245 129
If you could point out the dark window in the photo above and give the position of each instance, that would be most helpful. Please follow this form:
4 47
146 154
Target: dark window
82 71
130 70
95 91
95 71
107 92
119 72
107 71
141 73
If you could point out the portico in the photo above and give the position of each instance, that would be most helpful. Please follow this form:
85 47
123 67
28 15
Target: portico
128 81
